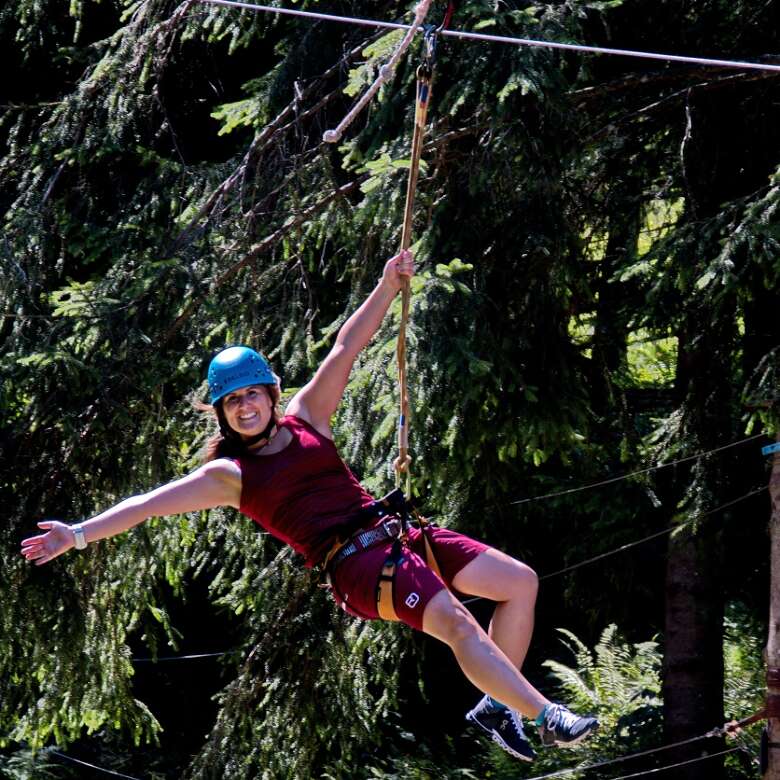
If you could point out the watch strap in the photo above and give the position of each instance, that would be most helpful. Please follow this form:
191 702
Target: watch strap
78 537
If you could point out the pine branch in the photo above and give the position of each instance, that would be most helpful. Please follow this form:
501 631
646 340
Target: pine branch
634 81
268 134
260 248
665 103
272 240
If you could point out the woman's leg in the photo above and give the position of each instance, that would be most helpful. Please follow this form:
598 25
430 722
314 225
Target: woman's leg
480 658
513 585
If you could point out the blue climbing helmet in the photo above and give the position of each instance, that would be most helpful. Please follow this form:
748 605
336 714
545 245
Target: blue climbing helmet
237 367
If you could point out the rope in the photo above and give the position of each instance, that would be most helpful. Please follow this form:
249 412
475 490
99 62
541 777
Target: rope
557 573
424 80
386 73
680 763
559 773
647 470
732 726
465 35
571 770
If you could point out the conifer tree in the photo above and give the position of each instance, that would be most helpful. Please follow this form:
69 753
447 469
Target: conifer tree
580 221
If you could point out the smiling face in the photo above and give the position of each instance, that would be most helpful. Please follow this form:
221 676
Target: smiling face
248 410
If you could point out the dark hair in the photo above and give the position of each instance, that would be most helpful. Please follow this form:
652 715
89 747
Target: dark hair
227 443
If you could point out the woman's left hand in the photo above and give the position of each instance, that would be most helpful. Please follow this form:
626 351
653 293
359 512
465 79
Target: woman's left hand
57 540
398 269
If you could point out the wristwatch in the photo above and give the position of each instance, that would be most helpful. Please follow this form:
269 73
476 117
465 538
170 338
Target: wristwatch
78 537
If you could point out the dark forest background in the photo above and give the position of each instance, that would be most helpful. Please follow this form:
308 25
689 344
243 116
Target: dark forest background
597 239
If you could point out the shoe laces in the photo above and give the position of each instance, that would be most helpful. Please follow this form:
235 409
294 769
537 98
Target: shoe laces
559 716
512 718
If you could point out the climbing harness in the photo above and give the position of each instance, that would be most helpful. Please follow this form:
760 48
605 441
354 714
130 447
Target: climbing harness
400 514
397 509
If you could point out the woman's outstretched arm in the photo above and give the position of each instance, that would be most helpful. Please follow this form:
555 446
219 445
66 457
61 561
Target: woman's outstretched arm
217 483
318 400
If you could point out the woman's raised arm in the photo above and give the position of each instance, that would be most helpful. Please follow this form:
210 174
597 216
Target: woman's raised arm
317 401
217 483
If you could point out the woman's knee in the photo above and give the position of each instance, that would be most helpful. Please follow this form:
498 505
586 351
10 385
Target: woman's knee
519 582
499 577
448 620
525 580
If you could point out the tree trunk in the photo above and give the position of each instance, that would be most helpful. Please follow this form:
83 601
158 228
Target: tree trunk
773 645
693 657
697 560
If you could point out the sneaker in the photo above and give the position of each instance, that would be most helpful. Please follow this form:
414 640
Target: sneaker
504 726
563 727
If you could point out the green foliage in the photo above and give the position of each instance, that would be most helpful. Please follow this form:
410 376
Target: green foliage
617 681
25 764
288 692
745 675
164 191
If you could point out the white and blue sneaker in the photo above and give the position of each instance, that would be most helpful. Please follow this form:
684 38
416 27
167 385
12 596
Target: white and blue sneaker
562 727
504 726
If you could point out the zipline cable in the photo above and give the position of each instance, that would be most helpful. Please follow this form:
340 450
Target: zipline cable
571 770
718 731
646 772
465 35
629 545
92 766
649 538
557 573
630 474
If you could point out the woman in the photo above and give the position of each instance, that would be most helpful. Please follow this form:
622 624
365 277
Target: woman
285 473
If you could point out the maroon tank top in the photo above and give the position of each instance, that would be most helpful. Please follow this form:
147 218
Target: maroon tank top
303 493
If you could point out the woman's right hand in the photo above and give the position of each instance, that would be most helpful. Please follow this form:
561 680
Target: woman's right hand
398 269
42 548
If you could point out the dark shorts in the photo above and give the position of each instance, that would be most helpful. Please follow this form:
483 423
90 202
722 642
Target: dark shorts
355 580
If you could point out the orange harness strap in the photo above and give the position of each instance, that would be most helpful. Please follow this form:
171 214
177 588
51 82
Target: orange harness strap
430 558
385 590
385 586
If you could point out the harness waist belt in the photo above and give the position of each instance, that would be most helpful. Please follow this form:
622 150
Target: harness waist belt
390 529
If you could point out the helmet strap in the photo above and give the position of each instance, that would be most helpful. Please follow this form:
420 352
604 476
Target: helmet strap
264 434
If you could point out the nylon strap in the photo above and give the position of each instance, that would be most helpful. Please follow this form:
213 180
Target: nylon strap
424 79
430 558
385 588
